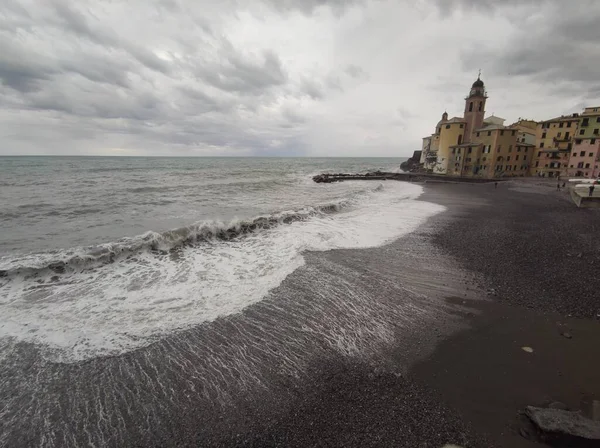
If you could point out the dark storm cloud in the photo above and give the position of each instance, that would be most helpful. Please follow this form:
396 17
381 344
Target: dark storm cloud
449 6
559 45
239 73
72 20
308 6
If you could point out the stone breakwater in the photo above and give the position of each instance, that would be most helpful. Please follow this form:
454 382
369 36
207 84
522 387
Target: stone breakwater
407 177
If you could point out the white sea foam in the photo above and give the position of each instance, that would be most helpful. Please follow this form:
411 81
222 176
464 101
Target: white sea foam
113 308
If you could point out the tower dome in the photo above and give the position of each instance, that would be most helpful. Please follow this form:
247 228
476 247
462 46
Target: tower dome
478 88
478 83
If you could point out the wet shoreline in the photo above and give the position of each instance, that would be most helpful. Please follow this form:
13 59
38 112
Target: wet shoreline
347 351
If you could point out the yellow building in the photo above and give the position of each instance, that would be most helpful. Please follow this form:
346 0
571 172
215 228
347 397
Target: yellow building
554 142
527 130
475 146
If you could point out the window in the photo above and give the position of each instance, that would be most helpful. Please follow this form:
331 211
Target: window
560 125
501 132
470 150
570 146
571 166
447 126
582 132
499 148
526 149
596 131
585 122
517 157
559 134
471 106
480 106
489 133
518 149
498 159
574 154
508 159
582 153
537 164
544 135
514 133
597 119
539 153
462 126
478 134
580 165
569 124
592 141
591 154
578 141
542 145
484 159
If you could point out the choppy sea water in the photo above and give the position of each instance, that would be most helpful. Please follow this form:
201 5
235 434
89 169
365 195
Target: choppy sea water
134 290
103 255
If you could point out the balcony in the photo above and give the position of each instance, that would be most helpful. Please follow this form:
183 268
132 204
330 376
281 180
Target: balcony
561 139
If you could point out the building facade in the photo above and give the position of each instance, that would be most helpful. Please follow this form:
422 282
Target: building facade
554 142
585 157
476 146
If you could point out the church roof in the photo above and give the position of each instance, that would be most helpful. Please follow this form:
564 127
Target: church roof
493 127
478 83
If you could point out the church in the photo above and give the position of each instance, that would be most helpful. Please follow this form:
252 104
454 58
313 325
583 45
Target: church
474 146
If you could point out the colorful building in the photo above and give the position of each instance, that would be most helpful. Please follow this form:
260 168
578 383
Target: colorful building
554 142
584 159
475 146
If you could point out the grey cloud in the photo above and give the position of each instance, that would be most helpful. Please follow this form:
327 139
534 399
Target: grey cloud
239 73
308 6
312 89
22 69
73 20
561 45
447 7
355 71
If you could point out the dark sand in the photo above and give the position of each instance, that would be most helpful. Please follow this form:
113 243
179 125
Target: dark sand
534 260
394 346
538 258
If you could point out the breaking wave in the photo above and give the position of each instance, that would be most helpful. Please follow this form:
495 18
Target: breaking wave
109 299
165 242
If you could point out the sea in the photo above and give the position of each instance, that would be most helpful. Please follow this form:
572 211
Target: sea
111 266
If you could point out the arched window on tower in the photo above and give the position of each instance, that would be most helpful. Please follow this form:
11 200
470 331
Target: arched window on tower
471 106
480 105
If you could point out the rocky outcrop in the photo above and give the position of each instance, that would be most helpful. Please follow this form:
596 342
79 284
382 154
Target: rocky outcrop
412 164
569 428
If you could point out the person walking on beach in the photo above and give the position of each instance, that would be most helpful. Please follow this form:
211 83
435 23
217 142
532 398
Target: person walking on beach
558 186
592 190
495 185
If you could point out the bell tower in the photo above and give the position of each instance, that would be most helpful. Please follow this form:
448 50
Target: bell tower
475 108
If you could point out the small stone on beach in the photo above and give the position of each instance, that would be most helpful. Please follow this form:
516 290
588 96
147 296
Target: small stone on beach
527 349
567 335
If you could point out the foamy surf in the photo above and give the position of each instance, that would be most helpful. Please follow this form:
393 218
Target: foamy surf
164 283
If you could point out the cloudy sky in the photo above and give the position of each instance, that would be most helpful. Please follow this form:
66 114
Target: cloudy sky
280 77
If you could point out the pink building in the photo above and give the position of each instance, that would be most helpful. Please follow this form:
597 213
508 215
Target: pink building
585 158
